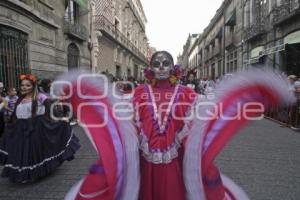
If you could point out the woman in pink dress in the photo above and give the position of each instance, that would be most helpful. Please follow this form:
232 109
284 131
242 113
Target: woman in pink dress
161 108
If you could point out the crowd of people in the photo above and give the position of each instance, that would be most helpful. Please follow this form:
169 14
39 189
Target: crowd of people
289 115
203 86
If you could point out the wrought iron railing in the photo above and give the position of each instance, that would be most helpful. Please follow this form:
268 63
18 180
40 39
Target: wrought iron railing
286 115
289 8
75 29
13 56
257 28
104 25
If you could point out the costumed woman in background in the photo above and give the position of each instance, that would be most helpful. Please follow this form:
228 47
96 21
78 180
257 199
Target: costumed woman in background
166 149
33 145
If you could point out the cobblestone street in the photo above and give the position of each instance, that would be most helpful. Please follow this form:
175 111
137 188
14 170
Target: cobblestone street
264 160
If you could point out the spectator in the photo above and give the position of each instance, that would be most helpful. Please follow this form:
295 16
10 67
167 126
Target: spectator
44 87
1 109
292 79
10 100
295 115
192 83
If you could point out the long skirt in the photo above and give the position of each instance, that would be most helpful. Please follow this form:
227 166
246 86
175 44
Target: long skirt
33 148
162 181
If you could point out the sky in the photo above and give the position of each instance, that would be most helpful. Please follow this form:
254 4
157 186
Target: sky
171 21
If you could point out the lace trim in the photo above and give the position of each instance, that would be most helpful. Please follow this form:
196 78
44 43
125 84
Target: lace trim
162 156
165 156
41 163
93 195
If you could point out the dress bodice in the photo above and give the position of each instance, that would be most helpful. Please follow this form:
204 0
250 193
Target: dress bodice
161 133
23 110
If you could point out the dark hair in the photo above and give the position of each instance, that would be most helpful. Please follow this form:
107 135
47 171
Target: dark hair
34 98
162 52
45 84
10 89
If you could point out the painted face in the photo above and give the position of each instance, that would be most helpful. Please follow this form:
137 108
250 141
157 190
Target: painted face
26 87
161 65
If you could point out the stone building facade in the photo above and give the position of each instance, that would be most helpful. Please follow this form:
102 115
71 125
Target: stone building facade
188 57
119 39
250 33
219 45
43 37
272 34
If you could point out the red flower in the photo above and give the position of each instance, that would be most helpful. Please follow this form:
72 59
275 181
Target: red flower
178 72
149 74
30 77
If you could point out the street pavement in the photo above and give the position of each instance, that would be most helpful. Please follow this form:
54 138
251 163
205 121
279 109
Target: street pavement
264 159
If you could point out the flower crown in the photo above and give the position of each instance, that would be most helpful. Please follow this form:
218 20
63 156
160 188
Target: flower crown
30 77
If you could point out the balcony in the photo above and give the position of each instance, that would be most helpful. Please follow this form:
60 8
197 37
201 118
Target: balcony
256 29
75 29
109 30
288 10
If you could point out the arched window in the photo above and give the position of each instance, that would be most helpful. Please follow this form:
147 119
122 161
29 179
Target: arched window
73 56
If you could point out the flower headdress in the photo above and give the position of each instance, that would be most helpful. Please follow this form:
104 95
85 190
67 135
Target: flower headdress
30 77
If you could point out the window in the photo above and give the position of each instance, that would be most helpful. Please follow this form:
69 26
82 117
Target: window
118 71
128 72
235 65
232 61
73 56
72 12
13 55
117 24
247 14
251 11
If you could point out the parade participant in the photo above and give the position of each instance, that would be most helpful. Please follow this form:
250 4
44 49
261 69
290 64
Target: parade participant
33 145
192 82
167 150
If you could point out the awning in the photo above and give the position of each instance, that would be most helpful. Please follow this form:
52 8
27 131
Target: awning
231 20
275 49
257 52
292 38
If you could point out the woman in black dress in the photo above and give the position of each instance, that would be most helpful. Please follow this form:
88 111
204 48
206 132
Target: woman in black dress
33 145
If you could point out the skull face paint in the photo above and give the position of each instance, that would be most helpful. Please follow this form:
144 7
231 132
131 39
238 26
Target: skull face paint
162 63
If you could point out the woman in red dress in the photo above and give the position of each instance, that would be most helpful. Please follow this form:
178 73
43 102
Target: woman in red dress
160 109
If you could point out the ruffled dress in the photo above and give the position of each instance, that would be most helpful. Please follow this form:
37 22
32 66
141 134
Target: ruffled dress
33 147
162 138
